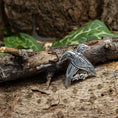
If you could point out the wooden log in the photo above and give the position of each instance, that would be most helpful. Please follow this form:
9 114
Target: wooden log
25 63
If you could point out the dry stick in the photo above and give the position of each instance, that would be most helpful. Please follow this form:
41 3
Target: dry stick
25 63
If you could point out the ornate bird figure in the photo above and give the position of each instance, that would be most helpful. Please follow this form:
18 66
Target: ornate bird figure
79 67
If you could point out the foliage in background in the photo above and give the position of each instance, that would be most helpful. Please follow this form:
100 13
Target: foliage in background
3 53
93 31
19 41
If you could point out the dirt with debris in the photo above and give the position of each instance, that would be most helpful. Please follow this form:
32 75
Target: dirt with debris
95 97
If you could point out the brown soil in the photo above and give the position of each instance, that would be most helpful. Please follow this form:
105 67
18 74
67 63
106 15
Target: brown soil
95 97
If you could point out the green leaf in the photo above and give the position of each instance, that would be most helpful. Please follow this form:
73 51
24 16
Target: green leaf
21 41
93 31
3 53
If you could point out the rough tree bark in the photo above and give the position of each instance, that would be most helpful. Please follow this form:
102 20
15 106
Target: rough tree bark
1 19
57 18
110 13
24 63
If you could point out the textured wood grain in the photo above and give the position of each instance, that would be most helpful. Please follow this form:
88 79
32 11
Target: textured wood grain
15 66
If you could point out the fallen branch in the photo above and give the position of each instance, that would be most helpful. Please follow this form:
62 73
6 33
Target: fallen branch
25 63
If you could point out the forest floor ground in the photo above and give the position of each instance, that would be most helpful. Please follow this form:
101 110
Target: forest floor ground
94 97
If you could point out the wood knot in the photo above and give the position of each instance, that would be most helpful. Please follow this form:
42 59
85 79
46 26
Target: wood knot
107 46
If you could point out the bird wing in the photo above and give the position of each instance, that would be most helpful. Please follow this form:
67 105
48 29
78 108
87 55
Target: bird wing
71 70
82 62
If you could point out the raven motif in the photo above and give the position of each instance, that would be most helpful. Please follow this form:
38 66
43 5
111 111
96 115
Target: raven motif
79 67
